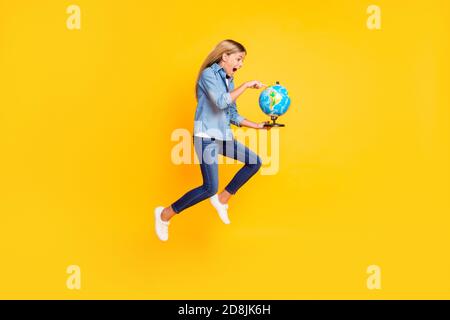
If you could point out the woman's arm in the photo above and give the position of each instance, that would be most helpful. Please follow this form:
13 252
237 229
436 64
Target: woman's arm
240 90
254 125
237 92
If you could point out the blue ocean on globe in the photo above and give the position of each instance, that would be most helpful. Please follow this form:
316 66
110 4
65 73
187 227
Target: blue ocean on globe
274 101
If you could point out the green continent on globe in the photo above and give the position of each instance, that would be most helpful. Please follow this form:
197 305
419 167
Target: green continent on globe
275 98
274 101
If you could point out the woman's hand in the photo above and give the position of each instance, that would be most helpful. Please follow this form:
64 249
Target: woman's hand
255 125
255 84
261 125
244 86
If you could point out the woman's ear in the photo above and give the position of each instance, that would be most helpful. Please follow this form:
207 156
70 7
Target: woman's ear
225 57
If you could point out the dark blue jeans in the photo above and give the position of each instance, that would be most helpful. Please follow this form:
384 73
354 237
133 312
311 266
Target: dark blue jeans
208 150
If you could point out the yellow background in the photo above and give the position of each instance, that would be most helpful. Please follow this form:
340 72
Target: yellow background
85 124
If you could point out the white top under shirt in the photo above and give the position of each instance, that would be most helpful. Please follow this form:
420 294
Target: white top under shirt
203 134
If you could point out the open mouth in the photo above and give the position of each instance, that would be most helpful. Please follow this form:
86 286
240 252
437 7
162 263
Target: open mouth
234 69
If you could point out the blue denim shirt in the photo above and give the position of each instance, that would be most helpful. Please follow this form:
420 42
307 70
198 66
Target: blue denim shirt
215 108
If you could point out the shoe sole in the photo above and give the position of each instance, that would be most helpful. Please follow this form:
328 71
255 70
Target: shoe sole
157 214
225 222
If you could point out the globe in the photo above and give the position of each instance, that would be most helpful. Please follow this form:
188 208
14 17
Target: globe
274 101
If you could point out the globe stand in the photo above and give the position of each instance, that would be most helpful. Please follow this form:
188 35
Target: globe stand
273 123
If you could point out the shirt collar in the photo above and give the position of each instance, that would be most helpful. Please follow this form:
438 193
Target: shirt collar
216 67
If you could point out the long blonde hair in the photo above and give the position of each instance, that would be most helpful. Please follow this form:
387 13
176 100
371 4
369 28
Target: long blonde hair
226 46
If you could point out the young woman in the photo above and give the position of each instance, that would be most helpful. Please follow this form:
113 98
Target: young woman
216 109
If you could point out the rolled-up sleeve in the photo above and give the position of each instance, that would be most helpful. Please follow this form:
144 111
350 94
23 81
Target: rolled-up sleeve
218 96
235 117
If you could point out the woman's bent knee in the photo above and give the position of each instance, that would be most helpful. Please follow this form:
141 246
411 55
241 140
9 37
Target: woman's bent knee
258 164
210 190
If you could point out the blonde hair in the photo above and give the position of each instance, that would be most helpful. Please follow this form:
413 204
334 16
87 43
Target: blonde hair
226 46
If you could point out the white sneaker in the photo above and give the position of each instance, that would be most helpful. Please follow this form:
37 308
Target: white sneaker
161 227
222 209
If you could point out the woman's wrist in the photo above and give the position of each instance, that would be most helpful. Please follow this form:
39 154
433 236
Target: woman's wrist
254 125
